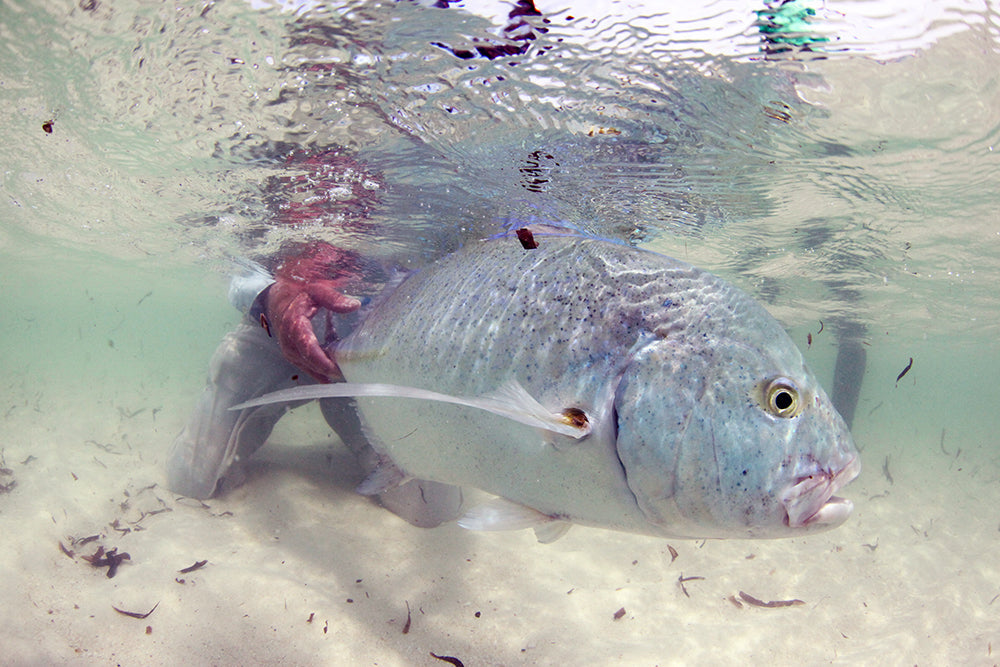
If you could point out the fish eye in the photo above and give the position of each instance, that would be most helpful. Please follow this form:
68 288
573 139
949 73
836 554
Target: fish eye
781 397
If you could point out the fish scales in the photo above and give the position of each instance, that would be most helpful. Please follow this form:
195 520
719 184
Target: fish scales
554 319
576 322
545 312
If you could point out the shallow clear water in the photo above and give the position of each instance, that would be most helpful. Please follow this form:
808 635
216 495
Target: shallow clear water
859 182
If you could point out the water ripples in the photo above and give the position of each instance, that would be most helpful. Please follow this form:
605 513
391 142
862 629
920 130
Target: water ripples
832 177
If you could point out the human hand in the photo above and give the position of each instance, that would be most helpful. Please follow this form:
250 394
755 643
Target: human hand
297 295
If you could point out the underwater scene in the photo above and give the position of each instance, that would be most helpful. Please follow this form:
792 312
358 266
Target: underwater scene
743 407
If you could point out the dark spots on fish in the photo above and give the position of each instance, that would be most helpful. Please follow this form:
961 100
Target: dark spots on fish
757 602
904 371
448 658
526 238
265 324
47 126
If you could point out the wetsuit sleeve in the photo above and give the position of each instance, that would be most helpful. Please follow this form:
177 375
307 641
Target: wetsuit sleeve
247 292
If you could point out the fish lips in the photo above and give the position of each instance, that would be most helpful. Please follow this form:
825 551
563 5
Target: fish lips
810 504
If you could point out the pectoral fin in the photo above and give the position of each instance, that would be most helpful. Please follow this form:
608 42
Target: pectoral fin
552 531
510 401
422 503
503 514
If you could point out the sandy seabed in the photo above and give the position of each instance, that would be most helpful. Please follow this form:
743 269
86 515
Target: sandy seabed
300 570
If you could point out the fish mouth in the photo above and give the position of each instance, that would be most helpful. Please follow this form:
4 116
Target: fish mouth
810 502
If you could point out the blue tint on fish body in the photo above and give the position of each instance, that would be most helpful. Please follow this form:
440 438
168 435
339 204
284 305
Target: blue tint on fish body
699 419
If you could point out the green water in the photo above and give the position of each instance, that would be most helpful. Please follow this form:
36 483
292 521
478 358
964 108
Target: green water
874 196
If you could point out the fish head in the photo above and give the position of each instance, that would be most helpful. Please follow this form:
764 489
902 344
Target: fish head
732 438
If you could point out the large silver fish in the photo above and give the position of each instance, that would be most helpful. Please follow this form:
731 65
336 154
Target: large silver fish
588 382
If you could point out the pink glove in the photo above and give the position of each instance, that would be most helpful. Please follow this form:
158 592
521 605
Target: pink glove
304 283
